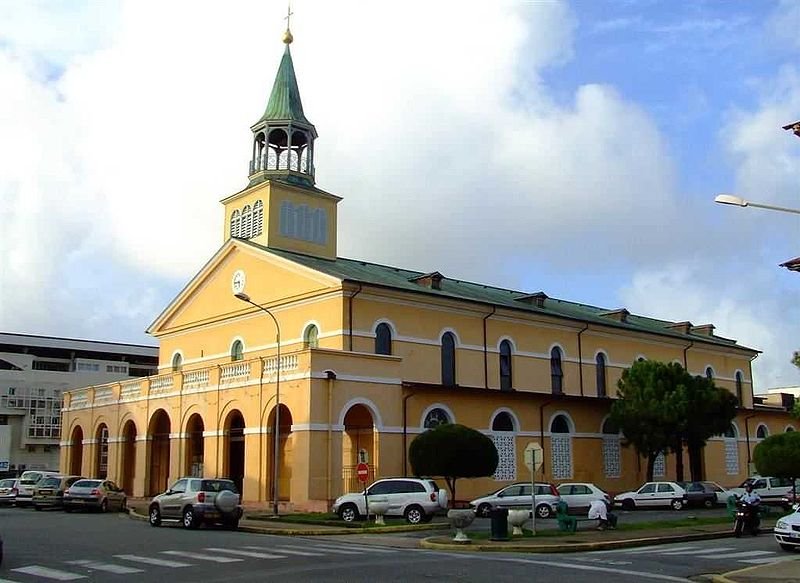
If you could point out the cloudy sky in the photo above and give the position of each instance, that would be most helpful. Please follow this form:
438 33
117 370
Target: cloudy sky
570 147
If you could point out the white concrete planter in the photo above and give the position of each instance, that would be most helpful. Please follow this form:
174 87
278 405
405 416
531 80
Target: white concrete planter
378 507
460 519
516 518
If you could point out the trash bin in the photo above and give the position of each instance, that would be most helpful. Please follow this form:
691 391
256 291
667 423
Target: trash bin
499 518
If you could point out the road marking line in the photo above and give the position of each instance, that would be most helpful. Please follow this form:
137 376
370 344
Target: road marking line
8 581
289 551
699 551
765 561
250 554
335 550
152 561
202 557
365 548
109 567
639 574
38 571
661 549
739 555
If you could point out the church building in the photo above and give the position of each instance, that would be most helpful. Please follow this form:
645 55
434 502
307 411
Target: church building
350 361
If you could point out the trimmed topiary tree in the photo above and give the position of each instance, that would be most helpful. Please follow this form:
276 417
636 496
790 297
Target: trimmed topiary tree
453 451
779 455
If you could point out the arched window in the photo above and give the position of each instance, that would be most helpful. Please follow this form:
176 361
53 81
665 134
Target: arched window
600 372
612 450
789 429
762 432
177 362
556 372
247 222
237 350
436 417
505 442
258 218
731 451
561 448
739 391
505 366
311 337
709 373
383 339
448 359
236 224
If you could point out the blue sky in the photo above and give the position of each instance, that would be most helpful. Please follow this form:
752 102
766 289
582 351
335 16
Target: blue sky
570 147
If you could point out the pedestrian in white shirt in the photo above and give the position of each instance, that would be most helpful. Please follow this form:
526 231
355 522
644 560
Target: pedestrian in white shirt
599 510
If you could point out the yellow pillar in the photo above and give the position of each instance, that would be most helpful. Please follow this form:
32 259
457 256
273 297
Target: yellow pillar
142 476
176 464
253 468
212 460
114 471
88 465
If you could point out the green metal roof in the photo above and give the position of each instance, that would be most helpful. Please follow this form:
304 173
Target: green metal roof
284 101
394 277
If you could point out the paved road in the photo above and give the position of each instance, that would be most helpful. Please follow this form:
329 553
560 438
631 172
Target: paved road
53 546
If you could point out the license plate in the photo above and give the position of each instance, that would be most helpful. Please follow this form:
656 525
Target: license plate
45 492
795 535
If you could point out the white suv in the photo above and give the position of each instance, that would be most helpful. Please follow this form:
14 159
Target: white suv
415 499
771 490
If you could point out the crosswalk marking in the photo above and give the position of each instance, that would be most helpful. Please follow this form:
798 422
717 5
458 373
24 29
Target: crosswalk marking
108 567
738 555
336 550
657 549
151 561
290 551
361 548
698 551
39 571
766 561
202 557
250 554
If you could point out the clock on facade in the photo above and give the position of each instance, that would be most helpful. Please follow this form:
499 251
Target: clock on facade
238 281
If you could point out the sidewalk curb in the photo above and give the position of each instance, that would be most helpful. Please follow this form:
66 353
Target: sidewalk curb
428 543
726 577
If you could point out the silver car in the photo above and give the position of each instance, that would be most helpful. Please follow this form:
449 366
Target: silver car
197 500
102 495
519 496
8 491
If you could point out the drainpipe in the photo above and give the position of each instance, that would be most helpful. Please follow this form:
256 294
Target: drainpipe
331 376
350 316
486 349
405 434
261 425
219 383
747 438
541 431
580 358
685 361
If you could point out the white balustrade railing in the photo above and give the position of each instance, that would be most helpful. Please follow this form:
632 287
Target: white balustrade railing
288 362
79 398
161 384
103 395
130 389
196 379
234 371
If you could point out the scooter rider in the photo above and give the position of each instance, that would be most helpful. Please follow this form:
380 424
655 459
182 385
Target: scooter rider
752 500
750 496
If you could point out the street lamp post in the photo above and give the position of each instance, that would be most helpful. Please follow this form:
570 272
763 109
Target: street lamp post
734 200
245 298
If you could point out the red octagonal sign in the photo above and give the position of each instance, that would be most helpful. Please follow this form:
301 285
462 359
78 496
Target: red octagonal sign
362 471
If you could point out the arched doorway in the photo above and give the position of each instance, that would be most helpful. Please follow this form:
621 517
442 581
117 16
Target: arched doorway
158 432
101 453
358 446
194 446
128 453
285 456
76 452
233 462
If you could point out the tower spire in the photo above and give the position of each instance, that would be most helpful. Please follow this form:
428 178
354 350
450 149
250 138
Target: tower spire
283 139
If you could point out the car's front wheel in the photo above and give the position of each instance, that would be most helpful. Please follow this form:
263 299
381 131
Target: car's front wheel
348 512
543 511
484 510
709 502
628 504
789 548
676 504
104 506
414 514
154 516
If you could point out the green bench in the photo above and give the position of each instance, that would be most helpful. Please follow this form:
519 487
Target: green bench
566 521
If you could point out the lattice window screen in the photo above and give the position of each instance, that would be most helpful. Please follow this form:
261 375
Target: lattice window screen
612 462
507 453
731 457
660 466
561 455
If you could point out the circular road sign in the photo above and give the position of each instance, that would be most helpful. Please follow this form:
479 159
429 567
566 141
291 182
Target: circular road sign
362 471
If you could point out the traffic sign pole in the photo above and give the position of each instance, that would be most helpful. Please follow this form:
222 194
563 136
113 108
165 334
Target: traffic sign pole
362 472
534 458
533 501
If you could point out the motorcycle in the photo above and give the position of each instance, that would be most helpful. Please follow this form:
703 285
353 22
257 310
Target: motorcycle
746 518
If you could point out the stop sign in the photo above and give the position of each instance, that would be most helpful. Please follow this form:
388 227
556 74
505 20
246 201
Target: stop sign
362 471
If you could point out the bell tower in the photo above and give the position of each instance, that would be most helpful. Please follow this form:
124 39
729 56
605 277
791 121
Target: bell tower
281 207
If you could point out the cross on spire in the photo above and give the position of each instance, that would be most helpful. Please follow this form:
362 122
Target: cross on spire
287 36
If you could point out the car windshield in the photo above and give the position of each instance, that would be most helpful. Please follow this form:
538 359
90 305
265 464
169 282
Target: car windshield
50 482
30 477
86 484
218 486
6 483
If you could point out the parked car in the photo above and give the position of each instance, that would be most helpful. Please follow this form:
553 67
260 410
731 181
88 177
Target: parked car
27 481
787 530
50 491
416 499
581 495
8 491
653 494
771 490
707 494
102 495
194 501
519 496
